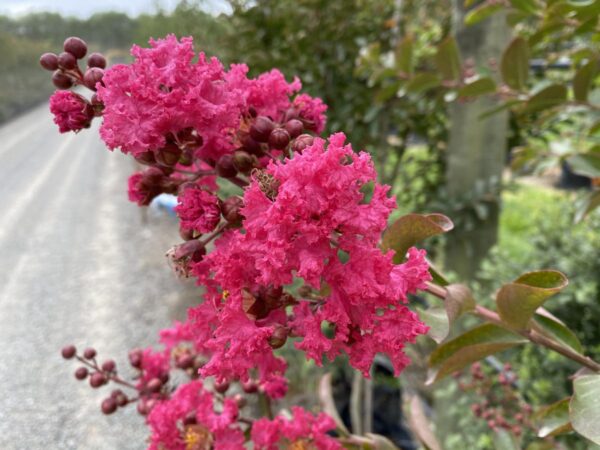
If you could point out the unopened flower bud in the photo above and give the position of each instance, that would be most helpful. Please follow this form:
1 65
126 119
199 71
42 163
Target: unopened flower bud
279 336
240 400
109 405
109 366
146 158
89 353
231 208
221 388
97 379
67 61
186 234
96 60
243 161
250 387
261 129
168 155
142 407
76 46
279 138
93 76
301 142
225 167
68 352
294 127
190 419
121 400
61 80
193 250
49 61
135 358
185 361
154 385
81 373
250 145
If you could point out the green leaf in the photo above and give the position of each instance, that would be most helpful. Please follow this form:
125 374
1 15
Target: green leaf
518 301
590 202
504 440
528 6
497 109
582 82
594 129
481 12
422 82
404 55
554 419
585 164
558 331
447 59
514 65
478 87
548 97
437 321
459 300
413 228
469 347
585 407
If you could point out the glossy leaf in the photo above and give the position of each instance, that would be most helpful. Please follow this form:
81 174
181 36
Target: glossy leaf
506 105
482 12
437 321
558 331
529 6
478 87
505 440
590 202
420 426
475 344
447 59
584 408
404 55
422 82
548 97
586 164
514 65
459 300
518 301
554 419
583 79
413 228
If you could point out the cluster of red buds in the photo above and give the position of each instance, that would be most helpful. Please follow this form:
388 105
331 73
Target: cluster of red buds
65 66
501 405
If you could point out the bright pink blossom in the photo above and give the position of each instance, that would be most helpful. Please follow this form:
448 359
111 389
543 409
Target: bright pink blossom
198 210
153 365
303 431
188 417
144 186
312 110
71 111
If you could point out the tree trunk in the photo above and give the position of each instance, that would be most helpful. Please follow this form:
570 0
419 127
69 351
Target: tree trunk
476 151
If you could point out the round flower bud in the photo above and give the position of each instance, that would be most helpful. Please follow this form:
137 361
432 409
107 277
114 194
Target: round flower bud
279 138
96 60
221 388
81 373
146 158
294 127
76 46
279 336
240 400
185 361
243 161
143 407
89 353
168 155
190 419
250 145
67 61
109 406
68 352
250 387
115 393
93 76
49 61
301 142
154 385
121 399
225 167
61 80
97 379
135 358
193 250
231 210
261 129
109 366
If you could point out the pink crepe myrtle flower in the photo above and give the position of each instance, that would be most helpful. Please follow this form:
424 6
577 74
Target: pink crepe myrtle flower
71 111
188 420
198 209
312 110
144 186
303 430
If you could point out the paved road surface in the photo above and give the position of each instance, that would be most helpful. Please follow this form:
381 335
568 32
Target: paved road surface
77 264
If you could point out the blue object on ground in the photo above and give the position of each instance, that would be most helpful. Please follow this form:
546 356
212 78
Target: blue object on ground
166 202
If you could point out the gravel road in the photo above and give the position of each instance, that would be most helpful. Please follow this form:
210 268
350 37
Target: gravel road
78 264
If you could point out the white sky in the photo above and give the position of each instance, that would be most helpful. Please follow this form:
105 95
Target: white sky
85 8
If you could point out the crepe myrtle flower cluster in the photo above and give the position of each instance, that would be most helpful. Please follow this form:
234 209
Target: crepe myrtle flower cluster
294 255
